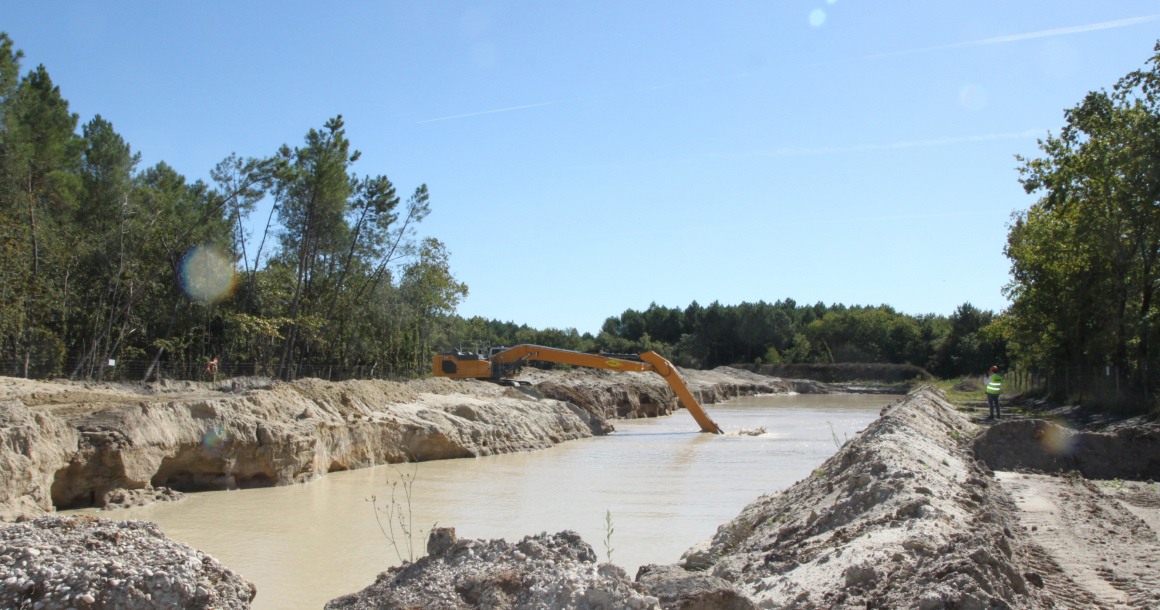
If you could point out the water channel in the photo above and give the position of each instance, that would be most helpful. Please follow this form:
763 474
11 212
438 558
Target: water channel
666 485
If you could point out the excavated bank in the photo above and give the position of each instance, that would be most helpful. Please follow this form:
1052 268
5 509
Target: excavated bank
1130 452
620 395
67 445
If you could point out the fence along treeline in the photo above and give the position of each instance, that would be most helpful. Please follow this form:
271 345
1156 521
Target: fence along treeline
99 256
965 343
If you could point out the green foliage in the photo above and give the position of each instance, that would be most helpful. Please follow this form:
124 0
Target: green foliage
785 332
1084 258
92 249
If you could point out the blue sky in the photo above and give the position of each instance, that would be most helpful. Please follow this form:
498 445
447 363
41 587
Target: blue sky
614 154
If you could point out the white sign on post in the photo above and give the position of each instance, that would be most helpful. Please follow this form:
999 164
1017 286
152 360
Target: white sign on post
112 362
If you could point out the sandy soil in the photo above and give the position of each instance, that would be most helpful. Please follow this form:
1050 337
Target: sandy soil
1094 549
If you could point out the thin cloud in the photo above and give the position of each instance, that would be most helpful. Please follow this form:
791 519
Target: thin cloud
1079 29
460 116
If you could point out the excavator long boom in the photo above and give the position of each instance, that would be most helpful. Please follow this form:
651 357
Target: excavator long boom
506 363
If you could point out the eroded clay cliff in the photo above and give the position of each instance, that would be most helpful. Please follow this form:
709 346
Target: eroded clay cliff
73 444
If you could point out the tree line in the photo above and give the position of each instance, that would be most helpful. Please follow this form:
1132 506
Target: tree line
964 343
102 259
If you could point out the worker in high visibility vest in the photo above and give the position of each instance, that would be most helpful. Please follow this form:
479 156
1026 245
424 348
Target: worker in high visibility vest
994 386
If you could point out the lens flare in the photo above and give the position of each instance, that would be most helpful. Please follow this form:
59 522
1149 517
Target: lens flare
1057 440
207 274
215 437
817 17
973 97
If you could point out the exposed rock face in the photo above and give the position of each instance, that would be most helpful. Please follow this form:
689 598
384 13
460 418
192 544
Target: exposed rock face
1035 444
539 573
901 517
32 448
55 563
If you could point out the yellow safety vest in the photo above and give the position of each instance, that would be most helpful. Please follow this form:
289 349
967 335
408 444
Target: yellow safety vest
996 382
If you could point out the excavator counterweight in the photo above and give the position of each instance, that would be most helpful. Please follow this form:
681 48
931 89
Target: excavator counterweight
500 363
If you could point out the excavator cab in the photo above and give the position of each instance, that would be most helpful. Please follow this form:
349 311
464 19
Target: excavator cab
464 364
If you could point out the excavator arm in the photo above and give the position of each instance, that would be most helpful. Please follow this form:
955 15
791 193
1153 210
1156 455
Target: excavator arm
508 362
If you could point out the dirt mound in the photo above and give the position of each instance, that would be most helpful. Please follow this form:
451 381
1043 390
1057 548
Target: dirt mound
1042 446
540 572
54 563
967 385
677 588
901 517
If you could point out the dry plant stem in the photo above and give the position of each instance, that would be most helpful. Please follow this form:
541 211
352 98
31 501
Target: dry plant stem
390 537
837 443
396 514
608 535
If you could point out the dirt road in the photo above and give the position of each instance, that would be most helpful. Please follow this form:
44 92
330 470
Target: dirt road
1094 548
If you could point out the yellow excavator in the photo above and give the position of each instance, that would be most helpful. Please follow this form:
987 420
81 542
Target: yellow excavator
500 363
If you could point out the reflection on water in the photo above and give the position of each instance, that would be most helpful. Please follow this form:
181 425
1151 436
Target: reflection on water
668 487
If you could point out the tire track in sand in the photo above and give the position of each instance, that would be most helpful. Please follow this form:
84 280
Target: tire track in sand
1099 546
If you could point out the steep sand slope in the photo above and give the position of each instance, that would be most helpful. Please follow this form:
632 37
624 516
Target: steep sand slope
907 516
901 517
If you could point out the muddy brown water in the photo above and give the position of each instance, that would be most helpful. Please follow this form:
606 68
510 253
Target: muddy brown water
666 485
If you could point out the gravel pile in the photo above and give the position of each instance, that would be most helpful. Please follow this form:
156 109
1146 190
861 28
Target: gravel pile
540 572
57 563
127 498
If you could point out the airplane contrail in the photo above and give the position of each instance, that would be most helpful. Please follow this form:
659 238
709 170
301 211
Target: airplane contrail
460 116
1079 29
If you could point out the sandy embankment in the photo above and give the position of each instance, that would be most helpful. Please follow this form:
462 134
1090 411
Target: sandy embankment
66 444
906 515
